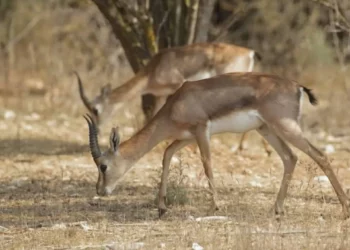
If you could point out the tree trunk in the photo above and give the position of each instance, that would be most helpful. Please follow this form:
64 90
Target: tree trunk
205 12
143 27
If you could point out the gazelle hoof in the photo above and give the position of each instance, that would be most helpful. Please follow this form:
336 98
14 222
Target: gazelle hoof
161 212
276 212
346 213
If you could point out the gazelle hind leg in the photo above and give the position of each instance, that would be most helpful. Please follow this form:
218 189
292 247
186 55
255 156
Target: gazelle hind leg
291 131
289 160
265 144
266 147
168 154
240 144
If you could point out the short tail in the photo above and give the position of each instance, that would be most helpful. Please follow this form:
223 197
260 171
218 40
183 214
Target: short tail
312 98
257 55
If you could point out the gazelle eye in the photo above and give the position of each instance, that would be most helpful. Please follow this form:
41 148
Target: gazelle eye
103 168
95 111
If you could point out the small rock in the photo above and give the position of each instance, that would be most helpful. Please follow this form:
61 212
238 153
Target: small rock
9 115
329 149
190 217
234 148
27 126
32 117
321 219
247 171
208 218
255 183
59 226
322 179
196 246
175 160
85 226
129 246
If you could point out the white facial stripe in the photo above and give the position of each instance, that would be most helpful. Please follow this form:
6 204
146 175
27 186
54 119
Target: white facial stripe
99 108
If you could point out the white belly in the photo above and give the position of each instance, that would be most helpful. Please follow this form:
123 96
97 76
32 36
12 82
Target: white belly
201 75
237 122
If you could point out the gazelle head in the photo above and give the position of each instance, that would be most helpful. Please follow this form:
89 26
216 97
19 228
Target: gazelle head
99 108
110 164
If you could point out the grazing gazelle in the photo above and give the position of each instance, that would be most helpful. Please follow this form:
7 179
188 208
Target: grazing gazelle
235 102
167 71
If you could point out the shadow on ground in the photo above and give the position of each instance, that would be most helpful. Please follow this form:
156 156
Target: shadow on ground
40 147
44 203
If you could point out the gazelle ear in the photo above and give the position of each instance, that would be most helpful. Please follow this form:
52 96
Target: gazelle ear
106 89
114 139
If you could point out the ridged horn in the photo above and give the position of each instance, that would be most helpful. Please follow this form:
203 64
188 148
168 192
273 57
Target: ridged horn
82 93
93 141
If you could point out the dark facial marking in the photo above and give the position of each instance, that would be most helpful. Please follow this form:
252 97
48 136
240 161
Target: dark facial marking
103 168
95 111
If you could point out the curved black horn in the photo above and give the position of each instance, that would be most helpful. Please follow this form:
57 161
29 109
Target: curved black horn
82 93
93 141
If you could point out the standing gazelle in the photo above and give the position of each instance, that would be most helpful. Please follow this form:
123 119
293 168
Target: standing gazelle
235 102
167 71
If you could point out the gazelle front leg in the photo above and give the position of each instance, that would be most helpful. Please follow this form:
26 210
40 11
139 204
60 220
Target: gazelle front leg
203 141
240 144
168 154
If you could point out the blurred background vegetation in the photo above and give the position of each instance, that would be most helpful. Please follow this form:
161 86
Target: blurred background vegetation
43 41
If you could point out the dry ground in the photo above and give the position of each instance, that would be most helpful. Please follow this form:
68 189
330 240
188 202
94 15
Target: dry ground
47 188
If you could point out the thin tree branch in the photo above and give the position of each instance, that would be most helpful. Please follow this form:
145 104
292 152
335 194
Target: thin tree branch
23 33
223 29
193 21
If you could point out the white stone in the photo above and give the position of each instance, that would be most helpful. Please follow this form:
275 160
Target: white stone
322 179
9 115
196 246
329 149
210 218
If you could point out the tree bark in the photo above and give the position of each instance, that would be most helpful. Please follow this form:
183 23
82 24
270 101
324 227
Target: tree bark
143 27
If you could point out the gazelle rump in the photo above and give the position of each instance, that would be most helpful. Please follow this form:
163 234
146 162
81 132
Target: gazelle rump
234 102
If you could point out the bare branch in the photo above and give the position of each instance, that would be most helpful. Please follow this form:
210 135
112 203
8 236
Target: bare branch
223 29
340 20
193 21
24 32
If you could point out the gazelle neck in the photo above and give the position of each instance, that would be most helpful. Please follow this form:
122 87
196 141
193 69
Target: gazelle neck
135 86
156 131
